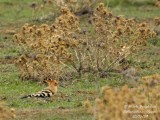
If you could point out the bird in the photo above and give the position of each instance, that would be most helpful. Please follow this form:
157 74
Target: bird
49 91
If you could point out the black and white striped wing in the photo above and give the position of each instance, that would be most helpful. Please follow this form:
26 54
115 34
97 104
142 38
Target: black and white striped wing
41 94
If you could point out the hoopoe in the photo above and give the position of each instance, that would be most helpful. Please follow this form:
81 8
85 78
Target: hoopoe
46 92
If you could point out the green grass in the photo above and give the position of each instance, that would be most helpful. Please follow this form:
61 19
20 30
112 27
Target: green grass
137 12
12 88
13 14
19 12
7 47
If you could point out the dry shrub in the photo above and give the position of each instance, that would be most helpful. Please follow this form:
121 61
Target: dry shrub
130 103
41 7
75 5
157 21
46 48
157 25
6 113
113 39
64 48
49 9
157 3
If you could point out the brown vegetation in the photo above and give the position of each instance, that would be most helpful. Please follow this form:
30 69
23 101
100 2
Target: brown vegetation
64 48
127 103
5 112
157 4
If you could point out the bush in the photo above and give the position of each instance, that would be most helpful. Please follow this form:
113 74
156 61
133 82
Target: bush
63 48
127 103
6 113
45 48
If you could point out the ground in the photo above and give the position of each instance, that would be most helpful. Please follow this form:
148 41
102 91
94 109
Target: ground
68 103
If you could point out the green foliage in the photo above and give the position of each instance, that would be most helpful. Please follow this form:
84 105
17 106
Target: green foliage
122 3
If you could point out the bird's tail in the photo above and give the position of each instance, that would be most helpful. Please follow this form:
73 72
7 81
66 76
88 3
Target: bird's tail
28 96
41 94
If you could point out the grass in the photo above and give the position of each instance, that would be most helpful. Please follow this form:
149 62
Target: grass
68 103
56 114
137 12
